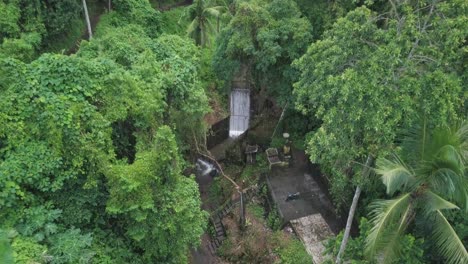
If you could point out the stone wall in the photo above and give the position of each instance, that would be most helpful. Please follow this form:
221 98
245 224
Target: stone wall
217 133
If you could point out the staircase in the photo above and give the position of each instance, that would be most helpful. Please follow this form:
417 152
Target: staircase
218 215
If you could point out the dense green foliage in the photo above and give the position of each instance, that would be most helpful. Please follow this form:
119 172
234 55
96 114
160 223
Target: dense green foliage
93 144
265 37
29 26
323 13
290 251
411 248
374 69
371 75
430 179
204 17
156 202
90 163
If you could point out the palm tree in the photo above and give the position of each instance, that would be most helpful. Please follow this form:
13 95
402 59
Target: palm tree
428 180
200 12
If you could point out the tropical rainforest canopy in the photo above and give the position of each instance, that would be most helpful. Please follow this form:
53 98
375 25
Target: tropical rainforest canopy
98 134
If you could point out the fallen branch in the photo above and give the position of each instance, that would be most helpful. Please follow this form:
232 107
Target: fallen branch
210 157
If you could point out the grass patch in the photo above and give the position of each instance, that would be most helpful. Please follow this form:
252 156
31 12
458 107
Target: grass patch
290 250
220 191
273 219
252 172
258 244
256 210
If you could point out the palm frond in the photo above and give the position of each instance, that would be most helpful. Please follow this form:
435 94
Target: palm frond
209 28
215 11
448 242
433 202
445 168
443 164
450 157
187 14
413 141
442 136
395 174
393 237
207 32
452 185
462 133
385 215
192 27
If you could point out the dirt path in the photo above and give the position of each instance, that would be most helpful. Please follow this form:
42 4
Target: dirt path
202 254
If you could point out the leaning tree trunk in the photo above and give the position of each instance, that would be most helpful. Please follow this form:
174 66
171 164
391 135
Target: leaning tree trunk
279 120
349 222
88 22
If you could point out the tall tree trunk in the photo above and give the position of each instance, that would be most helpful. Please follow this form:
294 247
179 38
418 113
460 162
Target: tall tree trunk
88 22
109 6
349 222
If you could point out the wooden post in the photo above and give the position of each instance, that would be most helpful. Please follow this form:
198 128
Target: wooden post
242 207
242 210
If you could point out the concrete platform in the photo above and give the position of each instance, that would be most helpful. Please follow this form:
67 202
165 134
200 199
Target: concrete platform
312 199
312 214
313 231
282 183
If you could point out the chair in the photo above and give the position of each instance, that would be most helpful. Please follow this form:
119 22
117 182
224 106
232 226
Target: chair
272 156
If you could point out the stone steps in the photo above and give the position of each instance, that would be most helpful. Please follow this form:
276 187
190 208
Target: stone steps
218 215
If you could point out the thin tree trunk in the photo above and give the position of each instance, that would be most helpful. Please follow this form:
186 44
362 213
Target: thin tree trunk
281 118
349 222
88 23
109 5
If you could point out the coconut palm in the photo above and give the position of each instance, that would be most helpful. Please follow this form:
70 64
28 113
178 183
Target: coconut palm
427 181
199 13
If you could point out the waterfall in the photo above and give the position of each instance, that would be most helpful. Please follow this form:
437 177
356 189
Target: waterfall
205 168
240 112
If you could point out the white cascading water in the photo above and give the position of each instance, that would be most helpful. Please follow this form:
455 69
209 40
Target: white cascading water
240 112
204 168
